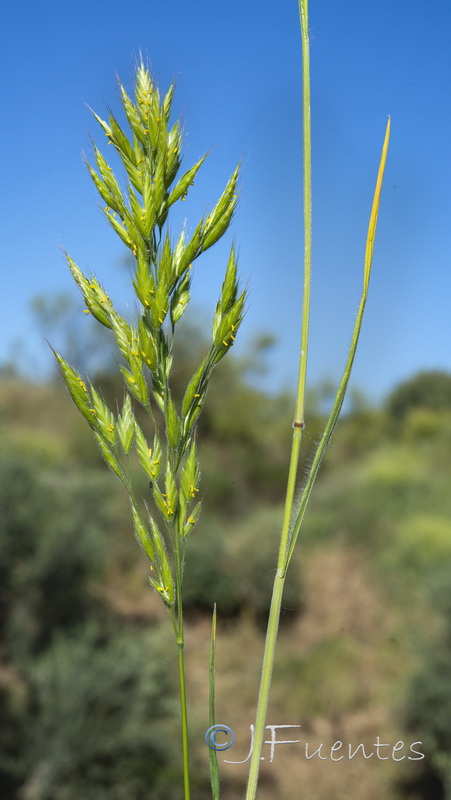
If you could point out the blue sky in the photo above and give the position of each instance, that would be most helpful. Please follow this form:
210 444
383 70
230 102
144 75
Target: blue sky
237 68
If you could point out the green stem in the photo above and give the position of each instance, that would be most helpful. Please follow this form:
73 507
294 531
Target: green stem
307 182
184 715
180 637
279 582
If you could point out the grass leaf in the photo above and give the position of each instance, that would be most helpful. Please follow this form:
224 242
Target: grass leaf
333 418
214 772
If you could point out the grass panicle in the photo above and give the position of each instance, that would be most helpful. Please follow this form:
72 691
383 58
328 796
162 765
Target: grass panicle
151 156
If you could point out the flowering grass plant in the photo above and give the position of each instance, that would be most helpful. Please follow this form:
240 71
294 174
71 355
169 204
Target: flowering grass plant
150 153
151 157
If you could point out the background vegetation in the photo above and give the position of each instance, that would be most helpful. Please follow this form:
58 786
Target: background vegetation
87 681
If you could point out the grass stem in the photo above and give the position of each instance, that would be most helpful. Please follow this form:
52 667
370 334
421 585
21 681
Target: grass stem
180 637
184 716
298 425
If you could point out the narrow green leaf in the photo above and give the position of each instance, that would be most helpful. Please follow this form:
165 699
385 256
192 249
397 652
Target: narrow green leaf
333 418
214 772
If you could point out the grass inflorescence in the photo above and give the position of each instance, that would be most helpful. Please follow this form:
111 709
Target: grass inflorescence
151 156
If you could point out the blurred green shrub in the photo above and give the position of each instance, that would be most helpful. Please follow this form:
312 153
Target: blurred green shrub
14 730
431 389
425 428
325 682
102 721
208 577
253 552
427 702
85 708
357 435
52 543
391 469
421 545
233 565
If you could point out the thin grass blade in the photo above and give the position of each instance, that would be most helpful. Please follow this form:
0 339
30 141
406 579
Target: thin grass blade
214 772
333 418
